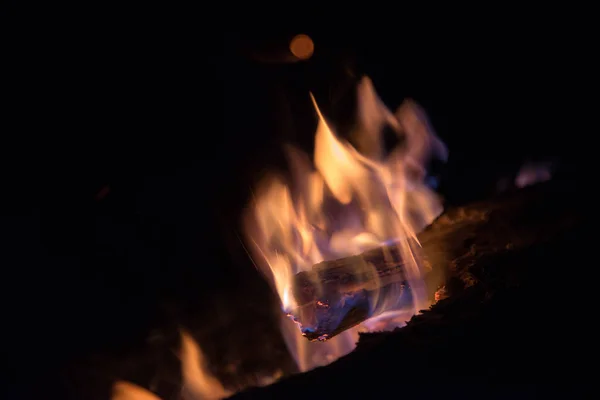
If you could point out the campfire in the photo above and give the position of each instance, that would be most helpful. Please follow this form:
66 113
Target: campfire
318 237
354 243
302 211
338 240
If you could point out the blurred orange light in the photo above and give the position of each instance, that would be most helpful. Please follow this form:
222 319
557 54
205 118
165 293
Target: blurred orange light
302 46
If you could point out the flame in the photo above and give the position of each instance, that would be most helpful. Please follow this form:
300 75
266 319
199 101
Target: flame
531 173
302 46
128 391
198 382
352 199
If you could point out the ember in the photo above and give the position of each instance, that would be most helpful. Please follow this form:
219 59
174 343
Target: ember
354 199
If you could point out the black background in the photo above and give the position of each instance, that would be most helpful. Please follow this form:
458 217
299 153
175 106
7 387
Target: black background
178 122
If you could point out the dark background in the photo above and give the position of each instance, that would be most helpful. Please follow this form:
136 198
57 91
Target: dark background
130 147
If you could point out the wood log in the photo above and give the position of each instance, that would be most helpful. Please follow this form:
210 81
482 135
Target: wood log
339 294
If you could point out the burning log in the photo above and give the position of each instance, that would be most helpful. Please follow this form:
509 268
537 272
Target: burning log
513 300
339 294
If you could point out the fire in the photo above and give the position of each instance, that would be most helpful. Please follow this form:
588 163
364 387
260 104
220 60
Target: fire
531 173
198 382
352 199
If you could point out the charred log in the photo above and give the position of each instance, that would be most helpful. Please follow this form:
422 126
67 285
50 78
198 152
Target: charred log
339 294
336 295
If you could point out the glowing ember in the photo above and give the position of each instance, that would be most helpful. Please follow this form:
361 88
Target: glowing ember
441 293
353 199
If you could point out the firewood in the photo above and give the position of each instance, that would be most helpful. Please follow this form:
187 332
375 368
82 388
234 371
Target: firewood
338 294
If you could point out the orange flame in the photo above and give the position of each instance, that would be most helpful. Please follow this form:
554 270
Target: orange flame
128 391
198 382
353 199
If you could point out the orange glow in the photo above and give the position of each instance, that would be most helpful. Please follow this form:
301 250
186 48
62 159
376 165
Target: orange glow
349 200
198 382
302 46
129 391
345 201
